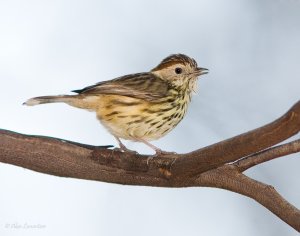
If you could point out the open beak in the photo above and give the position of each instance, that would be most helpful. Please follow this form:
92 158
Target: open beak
201 71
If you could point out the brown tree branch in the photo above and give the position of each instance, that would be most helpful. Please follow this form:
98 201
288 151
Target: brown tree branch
219 165
230 178
267 155
240 146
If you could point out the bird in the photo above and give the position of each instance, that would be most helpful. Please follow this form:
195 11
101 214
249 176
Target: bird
140 107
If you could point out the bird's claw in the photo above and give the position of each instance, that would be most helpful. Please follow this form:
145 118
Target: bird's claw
124 149
160 152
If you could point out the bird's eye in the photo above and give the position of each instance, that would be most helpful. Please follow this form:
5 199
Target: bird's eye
178 70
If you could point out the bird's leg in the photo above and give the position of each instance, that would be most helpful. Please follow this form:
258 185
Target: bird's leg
122 146
158 151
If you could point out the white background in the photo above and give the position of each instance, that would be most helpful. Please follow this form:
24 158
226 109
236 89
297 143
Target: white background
252 49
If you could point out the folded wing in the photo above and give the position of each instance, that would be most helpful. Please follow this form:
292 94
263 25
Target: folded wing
145 86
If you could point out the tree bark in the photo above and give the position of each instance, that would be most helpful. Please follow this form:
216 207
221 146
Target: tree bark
220 165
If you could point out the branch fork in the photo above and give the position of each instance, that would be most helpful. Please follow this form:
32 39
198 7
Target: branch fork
221 165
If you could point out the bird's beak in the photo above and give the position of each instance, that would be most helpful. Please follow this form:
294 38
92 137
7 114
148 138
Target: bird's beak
201 71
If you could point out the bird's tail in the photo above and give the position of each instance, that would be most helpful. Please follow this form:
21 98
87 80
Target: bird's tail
48 99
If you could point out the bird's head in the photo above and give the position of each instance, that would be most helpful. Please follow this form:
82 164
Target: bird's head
180 70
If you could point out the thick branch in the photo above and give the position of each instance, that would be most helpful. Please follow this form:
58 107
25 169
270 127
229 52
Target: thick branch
242 145
219 165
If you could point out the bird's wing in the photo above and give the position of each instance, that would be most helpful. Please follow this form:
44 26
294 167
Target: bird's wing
145 86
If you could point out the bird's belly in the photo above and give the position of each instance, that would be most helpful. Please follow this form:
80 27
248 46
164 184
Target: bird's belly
139 119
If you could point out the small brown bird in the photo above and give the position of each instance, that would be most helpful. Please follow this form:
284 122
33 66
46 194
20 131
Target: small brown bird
139 107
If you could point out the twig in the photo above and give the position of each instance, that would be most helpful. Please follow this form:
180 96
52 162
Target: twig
267 155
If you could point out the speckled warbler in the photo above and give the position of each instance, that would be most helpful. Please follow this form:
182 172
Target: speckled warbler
139 107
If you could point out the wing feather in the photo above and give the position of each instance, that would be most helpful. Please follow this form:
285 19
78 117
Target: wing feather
142 85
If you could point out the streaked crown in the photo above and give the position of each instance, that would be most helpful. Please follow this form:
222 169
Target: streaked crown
176 59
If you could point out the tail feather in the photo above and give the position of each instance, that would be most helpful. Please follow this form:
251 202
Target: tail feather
47 99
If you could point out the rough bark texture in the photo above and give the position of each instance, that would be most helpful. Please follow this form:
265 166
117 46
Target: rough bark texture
220 165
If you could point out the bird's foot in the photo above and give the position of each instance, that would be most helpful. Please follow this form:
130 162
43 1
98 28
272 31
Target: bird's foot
159 152
125 149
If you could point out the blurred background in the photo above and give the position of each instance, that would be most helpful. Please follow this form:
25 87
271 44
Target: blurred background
252 49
